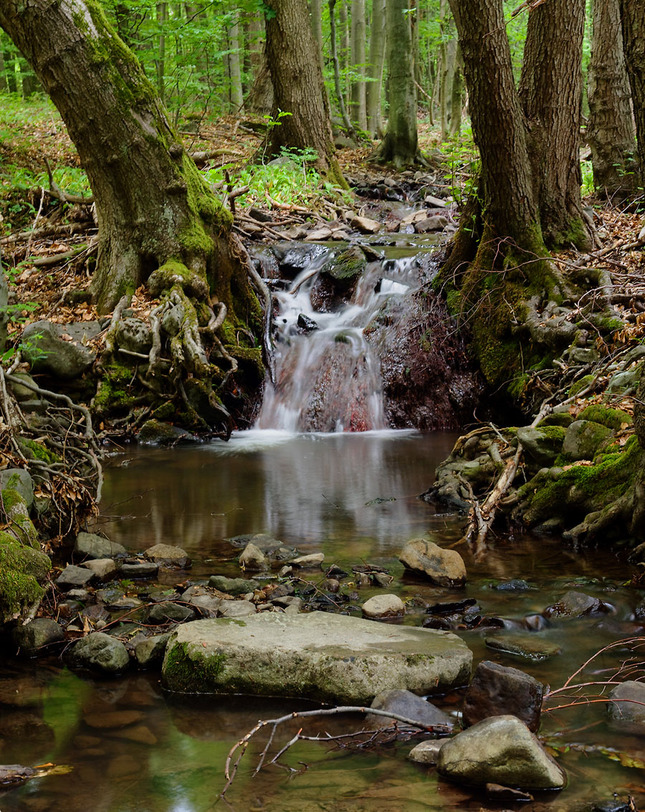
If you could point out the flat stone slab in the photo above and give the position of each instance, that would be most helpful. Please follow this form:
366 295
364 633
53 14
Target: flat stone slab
333 658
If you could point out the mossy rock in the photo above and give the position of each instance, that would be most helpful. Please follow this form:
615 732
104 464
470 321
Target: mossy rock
542 443
581 384
21 570
584 439
346 267
16 515
610 418
563 419
115 391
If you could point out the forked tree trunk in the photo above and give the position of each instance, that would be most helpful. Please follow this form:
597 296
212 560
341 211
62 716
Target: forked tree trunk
153 207
611 133
551 95
633 19
298 86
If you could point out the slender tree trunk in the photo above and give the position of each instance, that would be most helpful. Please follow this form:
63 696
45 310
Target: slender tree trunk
375 69
343 40
359 30
349 127
298 86
633 19
400 143
611 133
551 95
3 73
160 61
10 63
315 15
457 94
236 94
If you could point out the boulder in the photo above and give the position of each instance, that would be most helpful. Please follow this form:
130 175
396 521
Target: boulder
442 567
365 224
383 606
169 612
134 335
499 691
92 546
155 432
583 439
542 443
150 651
407 704
321 656
576 604
31 637
50 350
627 708
103 568
167 555
18 479
98 652
528 646
500 750
72 577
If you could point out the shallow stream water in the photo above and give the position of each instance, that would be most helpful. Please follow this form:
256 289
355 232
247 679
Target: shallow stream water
355 498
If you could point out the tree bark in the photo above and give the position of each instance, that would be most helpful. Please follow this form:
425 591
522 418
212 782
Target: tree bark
315 15
400 143
358 105
375 69
633 19
236 94
551 95
298 86
610 133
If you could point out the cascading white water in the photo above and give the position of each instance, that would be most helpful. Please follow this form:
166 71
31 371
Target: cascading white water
328 379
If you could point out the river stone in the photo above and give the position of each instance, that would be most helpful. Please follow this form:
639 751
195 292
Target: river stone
92 546
167 555
233 586
207 604
365 224
499 691
407 704
36 634
499 750
73 576
98 652
426 752
48 352
320 656
529 646
543 443
103 568
20 480
381 606
252 558
263 541
310 561
576 604
443 567
167 612
140 569
151 650
156 432
236 608
583 439
627 708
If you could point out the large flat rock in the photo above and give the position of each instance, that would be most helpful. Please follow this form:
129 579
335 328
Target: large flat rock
331 658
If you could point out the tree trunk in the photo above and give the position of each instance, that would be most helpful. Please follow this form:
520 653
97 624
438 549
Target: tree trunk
375 69
400 143
358 109
457 95
10 64
349 127
260 98
611 133
160 61
236 94
298 86
343 41
315 15
633 19
551 94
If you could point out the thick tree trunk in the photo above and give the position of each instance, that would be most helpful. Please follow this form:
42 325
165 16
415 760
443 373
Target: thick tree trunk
551 95
611 133
298 86
315 15
633 19
358 107
152 204
375 69
400 143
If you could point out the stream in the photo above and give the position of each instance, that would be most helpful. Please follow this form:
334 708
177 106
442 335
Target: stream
301 477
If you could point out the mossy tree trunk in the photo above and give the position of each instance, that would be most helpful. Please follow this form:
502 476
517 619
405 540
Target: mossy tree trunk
551 95
292 54
633 18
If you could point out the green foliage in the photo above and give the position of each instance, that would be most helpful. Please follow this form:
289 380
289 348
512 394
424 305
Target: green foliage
462 160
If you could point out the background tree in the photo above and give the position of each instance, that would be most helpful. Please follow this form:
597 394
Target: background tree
610 132
375 69
633 19
358 95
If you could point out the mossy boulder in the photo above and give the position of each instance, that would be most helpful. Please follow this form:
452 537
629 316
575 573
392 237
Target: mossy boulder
610 418
346 267
22 569
49 351
584 439
19 480
15 513
542 443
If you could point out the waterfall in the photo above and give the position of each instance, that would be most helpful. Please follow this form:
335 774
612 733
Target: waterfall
327 376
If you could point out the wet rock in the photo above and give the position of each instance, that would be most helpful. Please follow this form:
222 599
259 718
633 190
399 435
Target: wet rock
407 704
443 567
233 586
149 652
207 604
103 568
18 479
48 349
31 637
365 224
166 555
306 324
317 655
345 267
267 544
112 719
583 439
139 569
542 443
134 335
236 609
496 690
290 602
168 612
98 652
499 750
318 235
92 546
156 432
311 561
436 223
627 708
426 752
252 558
576 604
528 646
535 623
73 576
381 579
383 606
515 585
